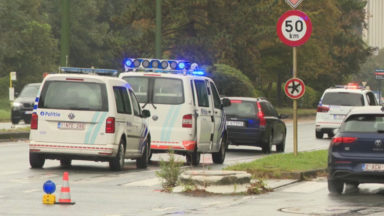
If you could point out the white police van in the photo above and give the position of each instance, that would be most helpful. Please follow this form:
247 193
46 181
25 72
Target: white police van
79 115
187 113
335 104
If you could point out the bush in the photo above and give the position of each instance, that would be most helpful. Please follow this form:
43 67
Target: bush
169 172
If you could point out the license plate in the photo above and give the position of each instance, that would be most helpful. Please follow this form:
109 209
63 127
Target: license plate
235 123
71 125
373 167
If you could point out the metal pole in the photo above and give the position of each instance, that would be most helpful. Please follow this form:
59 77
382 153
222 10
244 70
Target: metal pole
64 35
294 105
158 30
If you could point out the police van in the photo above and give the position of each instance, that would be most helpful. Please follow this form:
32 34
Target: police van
335 104
187 113
81 115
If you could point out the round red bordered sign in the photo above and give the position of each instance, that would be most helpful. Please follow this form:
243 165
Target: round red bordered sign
294 28
294 88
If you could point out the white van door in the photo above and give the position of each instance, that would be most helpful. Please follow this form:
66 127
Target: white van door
204 116
218 117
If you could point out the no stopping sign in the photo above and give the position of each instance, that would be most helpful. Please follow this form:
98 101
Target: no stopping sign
294 88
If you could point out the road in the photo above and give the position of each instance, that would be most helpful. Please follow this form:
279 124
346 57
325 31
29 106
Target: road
99 191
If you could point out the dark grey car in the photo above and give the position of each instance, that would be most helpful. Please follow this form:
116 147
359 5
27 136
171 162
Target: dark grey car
23 105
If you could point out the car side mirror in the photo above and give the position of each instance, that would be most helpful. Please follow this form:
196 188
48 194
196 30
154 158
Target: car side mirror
145 113
283 116
225 102
17 94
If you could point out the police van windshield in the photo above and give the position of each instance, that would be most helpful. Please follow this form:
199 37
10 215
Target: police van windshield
157 90
343 99
74 96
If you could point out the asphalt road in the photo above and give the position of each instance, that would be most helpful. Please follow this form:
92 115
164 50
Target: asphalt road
99 191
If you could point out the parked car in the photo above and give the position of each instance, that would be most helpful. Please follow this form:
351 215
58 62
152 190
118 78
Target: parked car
187 113
336 102
22 106
356 153
255 122
88 117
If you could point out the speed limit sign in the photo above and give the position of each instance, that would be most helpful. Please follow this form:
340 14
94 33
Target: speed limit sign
294 28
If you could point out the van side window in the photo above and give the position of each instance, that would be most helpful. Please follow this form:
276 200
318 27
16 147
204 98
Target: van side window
216 97
122 100
135 104
202 93
371 99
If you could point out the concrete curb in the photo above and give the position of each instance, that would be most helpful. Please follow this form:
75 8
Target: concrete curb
13 135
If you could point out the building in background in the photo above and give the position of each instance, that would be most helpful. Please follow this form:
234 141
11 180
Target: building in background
374 34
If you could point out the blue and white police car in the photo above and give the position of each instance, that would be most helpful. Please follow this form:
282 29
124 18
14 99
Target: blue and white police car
79 115
187 113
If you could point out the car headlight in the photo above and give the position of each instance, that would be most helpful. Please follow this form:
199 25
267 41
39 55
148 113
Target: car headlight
16 105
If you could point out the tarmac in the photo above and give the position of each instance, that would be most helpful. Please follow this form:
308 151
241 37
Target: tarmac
211 181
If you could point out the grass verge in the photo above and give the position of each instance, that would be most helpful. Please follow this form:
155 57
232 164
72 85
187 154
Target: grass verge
284 165
301 112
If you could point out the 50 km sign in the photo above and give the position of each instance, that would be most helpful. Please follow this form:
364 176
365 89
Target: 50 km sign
294 28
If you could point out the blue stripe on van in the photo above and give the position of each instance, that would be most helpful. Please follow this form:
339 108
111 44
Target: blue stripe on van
94 118
165 125
172 121
101 121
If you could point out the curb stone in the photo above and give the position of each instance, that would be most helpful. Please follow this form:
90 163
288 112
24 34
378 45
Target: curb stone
6 136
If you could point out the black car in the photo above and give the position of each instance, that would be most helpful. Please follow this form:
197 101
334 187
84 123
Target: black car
356 153
255 122
23 105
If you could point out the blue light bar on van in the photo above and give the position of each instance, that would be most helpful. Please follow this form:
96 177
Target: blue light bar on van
161 66
107 72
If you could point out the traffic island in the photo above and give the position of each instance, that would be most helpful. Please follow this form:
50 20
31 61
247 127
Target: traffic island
218 182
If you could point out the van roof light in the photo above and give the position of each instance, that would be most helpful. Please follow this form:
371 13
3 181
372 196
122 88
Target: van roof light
98 71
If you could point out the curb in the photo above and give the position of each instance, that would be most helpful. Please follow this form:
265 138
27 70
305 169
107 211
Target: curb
6 136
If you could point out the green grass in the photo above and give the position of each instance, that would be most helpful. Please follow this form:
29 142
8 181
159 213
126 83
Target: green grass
280 164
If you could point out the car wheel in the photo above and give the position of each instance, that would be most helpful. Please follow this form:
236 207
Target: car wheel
36 160
117 163
281 146
319 135
65 163
267 146
335 186
193 158
142 162
219 157
15 120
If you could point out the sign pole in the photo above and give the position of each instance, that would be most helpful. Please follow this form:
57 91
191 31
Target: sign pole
294 104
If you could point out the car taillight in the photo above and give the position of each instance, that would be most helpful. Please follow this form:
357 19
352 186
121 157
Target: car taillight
322 109
342 140
110 125
260 115
187 121
34 121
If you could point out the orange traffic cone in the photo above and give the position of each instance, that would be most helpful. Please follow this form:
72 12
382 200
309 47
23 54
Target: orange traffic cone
65 195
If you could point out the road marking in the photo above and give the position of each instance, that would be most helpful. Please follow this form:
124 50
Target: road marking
305 187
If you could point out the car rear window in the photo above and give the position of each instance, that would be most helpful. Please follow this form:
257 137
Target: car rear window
157 90
140 86
74 96
364 123
241 108
343 99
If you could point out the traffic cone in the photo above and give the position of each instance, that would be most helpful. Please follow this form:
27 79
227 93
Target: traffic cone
65 193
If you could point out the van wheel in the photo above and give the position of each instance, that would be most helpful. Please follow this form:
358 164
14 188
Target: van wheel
281 146
335 186
193 158
331 134
117 163
36 160
142 162
267 146
219 157
319 135
65 163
